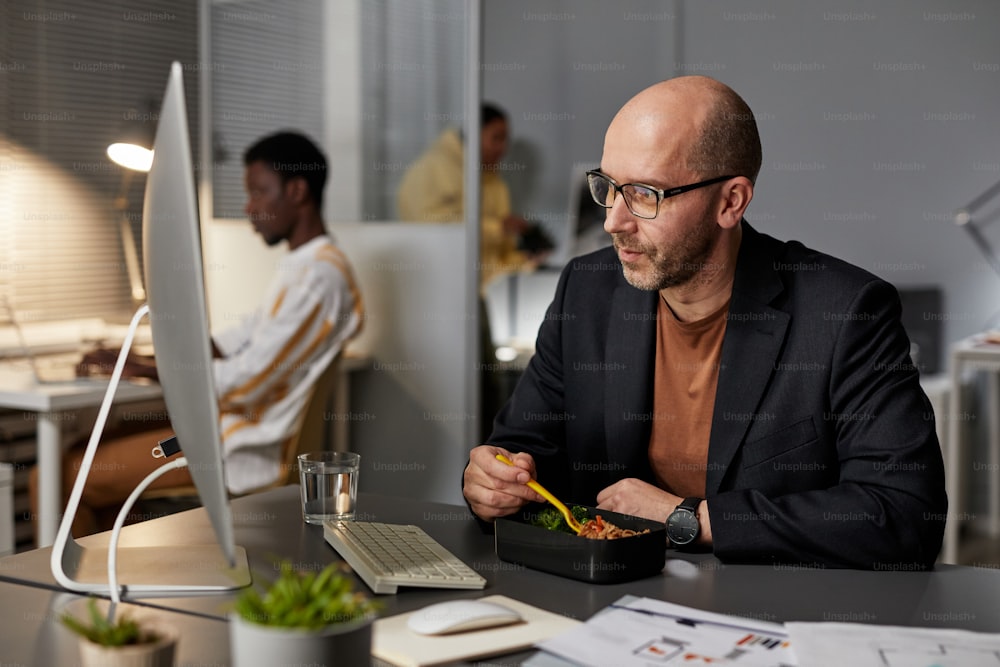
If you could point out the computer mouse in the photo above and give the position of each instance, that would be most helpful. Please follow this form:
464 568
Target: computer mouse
445 618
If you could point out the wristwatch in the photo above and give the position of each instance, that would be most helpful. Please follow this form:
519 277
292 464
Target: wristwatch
682 524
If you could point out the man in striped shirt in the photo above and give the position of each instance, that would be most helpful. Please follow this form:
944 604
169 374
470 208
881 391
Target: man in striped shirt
266 365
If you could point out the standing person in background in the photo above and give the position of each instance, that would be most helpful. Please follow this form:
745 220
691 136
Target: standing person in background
432 191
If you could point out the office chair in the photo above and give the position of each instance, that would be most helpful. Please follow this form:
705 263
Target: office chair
313 432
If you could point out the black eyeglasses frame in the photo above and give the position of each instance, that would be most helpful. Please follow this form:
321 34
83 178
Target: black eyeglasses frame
660 194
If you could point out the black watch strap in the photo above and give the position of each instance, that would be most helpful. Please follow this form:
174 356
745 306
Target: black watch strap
690 504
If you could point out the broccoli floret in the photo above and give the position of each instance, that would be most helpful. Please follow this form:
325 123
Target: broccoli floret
552 519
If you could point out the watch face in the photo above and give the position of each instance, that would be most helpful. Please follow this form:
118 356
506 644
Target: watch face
682 526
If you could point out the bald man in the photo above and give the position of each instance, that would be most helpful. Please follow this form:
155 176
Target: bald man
756 395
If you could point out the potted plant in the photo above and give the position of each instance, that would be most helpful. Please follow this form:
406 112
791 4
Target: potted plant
303 618
122 642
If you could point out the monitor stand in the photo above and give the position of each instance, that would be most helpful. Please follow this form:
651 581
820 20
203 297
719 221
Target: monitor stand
163 571
155 571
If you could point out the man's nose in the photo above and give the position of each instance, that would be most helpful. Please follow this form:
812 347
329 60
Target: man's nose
618 218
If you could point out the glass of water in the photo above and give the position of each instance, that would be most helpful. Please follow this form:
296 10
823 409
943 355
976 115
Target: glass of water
329 482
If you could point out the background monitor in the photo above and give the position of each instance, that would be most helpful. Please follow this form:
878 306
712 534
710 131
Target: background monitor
182 345
922 309
586 218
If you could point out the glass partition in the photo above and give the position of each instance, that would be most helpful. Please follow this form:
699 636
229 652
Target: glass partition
373 82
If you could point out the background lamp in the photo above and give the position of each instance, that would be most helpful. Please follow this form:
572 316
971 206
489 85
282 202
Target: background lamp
135 155
131 156
964 218
973 225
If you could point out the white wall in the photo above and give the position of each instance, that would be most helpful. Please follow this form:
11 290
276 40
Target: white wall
410 412
343 112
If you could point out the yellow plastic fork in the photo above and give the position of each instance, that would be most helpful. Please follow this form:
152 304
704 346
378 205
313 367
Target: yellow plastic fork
544 493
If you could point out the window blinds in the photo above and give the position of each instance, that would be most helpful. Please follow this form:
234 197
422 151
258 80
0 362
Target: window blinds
267 75
73 77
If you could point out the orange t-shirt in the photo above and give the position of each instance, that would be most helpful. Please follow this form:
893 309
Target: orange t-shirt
684 381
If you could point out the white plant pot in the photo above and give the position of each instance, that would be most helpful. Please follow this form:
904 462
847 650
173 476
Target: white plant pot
340 645
157 654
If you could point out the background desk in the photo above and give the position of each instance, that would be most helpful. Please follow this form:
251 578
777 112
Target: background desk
269 525
971 353
51 403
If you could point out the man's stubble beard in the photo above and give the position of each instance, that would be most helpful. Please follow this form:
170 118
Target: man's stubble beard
682 262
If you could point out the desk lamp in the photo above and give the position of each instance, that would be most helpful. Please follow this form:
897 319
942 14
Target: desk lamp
964 219
132 153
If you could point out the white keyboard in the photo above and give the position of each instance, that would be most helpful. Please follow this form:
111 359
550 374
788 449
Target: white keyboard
388 555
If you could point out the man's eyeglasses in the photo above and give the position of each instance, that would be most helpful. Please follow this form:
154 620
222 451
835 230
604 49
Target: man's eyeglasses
642 200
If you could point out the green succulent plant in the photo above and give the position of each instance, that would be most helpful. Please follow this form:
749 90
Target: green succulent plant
122 632
308 600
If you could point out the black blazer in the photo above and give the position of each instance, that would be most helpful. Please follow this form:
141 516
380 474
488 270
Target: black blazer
822 448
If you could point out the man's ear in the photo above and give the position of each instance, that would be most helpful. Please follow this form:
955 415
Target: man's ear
735 197
297 190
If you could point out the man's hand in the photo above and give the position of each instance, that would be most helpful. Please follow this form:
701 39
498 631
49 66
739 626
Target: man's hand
637 498
495 489
101 362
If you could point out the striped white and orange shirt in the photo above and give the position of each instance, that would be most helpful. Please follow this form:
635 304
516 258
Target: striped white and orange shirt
271 359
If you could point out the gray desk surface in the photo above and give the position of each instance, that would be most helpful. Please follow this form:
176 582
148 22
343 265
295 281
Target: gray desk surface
269 525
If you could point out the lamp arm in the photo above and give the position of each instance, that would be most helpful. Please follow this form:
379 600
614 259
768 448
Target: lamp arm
129 249
976 203
131 259
984 247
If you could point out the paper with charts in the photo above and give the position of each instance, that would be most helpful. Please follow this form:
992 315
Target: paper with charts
857 645
644 632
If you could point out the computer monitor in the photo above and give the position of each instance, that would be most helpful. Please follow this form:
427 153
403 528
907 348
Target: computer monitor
182 346
175 293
